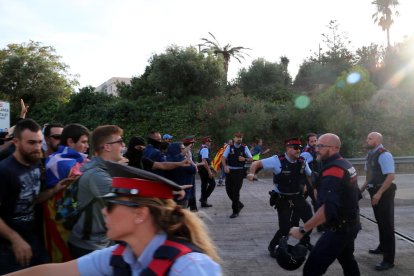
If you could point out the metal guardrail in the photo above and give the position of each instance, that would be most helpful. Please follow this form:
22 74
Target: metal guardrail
397 160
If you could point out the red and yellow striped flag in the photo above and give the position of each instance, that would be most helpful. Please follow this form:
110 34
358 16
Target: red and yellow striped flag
217 159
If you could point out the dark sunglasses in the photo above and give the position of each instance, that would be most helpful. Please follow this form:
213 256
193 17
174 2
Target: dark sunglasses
56 136
120 141
296 147
111 203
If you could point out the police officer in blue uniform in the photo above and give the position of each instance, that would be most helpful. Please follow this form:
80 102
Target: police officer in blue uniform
234 158
157 237
338 196
206 172
290 173
310 155
379 181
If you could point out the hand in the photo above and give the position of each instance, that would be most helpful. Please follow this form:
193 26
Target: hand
22 251
23 109
376 198
242 159
294 232
180 194
62 185
250 176
185 163
226 169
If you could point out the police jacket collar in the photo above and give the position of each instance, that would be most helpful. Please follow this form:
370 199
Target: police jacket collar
330 159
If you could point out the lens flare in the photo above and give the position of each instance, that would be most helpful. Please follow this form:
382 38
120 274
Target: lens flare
302 102
353 78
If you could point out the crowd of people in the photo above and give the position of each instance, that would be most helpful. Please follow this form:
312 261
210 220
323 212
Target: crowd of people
87 201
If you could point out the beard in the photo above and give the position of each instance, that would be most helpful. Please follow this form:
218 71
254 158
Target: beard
370 147
31 157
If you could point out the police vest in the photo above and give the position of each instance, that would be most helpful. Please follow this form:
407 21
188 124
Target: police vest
292 178
200 158
350 193
163 259
374 172
233 157
314 165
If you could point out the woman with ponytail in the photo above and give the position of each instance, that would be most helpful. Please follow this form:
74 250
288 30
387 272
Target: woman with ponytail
157 237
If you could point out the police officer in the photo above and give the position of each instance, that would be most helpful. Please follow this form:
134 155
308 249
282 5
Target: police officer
206 172
309 153
233 160
380 174
290 173
338 196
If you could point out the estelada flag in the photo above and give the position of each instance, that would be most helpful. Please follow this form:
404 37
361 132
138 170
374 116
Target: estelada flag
217 159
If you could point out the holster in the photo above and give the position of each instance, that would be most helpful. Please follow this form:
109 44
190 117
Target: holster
274 198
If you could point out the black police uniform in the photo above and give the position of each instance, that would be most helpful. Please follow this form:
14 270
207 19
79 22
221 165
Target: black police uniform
207 184
384 210
338 191
290 203
234 179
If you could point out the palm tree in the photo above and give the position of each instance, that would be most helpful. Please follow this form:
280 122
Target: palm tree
384 15
227 51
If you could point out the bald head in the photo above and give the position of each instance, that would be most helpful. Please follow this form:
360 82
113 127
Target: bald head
328 145
373 140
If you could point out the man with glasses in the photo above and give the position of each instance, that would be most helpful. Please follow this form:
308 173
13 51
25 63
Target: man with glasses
338 196
88 234
52 135
290 173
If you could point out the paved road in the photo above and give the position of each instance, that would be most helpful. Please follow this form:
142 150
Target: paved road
243 241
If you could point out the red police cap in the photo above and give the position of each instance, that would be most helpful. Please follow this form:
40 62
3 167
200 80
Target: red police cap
293 142
130 181
189 139
206 139
238 134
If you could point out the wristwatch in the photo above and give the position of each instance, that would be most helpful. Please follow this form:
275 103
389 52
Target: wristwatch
302 230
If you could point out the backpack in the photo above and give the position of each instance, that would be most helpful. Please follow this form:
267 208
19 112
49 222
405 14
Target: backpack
67 209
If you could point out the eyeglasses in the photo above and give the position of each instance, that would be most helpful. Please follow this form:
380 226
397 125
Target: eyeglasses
120 141
111 203
182 148
55 136
324 146
295 147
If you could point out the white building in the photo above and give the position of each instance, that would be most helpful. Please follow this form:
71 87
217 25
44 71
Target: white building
109 87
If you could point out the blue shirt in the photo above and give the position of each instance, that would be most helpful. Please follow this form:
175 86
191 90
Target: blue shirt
246 152
385 160
307 156
204 152
273 163
98 262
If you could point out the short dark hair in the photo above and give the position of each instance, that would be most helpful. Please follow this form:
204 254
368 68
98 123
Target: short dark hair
101 134
48 127
73 131
22 125
309 135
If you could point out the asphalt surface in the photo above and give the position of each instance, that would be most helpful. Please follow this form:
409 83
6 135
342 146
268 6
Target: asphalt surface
243 241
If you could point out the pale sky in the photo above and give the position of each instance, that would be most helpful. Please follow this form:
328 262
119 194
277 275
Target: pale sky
100 39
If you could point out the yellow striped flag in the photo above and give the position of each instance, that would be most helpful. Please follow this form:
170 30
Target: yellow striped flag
217 159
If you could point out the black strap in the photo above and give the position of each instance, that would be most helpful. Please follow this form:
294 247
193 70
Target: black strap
87 223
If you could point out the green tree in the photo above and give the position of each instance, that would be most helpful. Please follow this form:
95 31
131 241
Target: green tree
226 52
323 67
384 15
34 73
266 80
178 73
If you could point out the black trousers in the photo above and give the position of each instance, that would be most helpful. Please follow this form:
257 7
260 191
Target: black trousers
384 215
207 184
330 246
289 212
234 183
